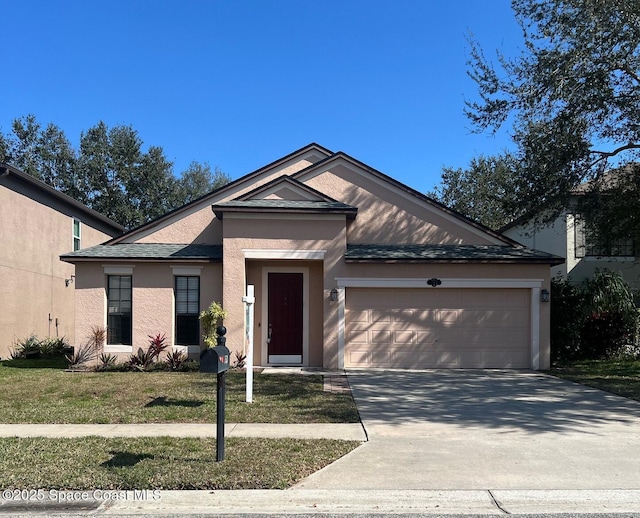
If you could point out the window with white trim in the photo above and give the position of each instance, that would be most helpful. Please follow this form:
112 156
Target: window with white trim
119 299
77 234
187 294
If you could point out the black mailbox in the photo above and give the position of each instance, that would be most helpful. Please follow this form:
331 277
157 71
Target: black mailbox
215 359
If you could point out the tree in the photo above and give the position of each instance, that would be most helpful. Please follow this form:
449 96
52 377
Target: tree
487 191
23 150
109 172
124 183
573 95
199 180
4 148
153 190
45 153
57 160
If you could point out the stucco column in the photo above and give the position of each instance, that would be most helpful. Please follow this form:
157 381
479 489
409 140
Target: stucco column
233 289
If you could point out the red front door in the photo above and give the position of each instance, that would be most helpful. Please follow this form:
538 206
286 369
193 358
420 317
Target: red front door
285 318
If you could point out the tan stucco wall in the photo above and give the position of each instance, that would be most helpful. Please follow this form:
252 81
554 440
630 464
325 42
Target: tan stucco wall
323 234
197 227
386 216
33 295
153 297
198 224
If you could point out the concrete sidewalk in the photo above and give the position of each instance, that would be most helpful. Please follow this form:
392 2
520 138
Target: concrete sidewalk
323 502
344 431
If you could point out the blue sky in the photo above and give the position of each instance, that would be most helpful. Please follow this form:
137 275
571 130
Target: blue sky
240 83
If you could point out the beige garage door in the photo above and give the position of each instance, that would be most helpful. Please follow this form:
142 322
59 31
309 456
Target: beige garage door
436 327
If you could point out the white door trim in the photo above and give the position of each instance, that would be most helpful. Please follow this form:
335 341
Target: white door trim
264 357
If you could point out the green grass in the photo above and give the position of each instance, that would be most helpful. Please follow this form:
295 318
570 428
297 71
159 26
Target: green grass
617 376
162 463
51 395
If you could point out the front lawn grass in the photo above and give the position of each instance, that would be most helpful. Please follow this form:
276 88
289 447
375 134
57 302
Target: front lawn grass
51 395
162 463
620 377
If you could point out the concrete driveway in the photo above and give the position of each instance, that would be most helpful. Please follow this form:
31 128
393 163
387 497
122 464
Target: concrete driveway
486 429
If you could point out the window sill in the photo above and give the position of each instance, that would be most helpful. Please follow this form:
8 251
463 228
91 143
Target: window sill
608 258
118 349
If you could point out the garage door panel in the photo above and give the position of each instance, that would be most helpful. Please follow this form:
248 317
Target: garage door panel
359 315
404 337
448 328
359 358
380 337
358 334
380 316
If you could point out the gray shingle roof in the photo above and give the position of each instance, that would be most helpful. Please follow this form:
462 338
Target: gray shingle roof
148 251
291 206
448 254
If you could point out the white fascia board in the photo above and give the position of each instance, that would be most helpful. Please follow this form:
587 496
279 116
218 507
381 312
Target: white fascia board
364 282
315 255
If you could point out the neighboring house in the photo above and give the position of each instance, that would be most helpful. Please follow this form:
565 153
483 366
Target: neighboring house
568 236
351 269
36 288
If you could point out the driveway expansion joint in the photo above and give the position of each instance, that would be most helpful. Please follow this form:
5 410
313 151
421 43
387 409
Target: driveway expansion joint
497 503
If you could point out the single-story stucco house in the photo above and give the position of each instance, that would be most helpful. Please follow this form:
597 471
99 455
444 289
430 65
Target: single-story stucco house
351 268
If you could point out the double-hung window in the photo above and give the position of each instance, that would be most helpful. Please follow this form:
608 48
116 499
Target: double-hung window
119 309
187 309
76 235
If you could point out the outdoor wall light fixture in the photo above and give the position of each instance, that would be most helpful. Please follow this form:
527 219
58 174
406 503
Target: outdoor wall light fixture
69 281
333 295
544 296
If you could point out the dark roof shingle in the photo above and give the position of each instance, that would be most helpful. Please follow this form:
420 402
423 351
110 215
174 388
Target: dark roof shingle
148 252
449 254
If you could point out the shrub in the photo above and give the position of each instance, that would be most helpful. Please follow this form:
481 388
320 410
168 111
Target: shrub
53 346
157 345
97 336
241 360
567 318
611 320
141 361
106 362
604 334
82 355
176 360
25 348
210 319
594 320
